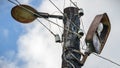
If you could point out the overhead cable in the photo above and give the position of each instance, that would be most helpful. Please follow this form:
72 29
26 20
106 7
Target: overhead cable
83 26
65 15
106 59
56 6
14 2
74 4
64 57
44 18
46 27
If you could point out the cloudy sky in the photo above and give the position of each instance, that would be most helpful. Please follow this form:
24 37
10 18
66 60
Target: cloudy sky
32 46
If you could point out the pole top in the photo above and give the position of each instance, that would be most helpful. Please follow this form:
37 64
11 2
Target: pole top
71 10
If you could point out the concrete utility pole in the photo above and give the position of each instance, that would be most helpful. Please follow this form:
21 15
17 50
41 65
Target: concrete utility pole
71 41
70 59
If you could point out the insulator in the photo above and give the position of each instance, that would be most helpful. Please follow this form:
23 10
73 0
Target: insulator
57 38
81 12
81 33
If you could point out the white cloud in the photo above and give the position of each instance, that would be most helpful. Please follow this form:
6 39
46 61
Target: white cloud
38 48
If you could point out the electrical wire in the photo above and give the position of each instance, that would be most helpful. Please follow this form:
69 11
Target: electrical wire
106 59
32 13
55 12
56 6
74 4
63 27
57 21
82 44
45 27
64 57
70 52
83 26
64 5
58 27
95 55
24 8
44 18
65 15
13 2
75 57
17 2
77 51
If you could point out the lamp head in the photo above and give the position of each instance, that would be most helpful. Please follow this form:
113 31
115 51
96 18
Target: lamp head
23 13
98 33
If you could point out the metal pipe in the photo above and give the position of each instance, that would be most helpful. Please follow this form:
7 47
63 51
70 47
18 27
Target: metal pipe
46 15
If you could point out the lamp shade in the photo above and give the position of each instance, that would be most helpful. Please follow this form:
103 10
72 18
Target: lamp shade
23 13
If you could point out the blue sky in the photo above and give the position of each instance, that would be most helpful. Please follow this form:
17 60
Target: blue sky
10 30
32 46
